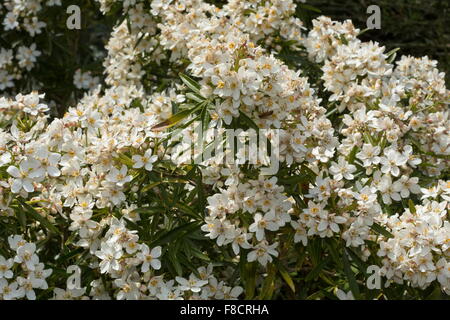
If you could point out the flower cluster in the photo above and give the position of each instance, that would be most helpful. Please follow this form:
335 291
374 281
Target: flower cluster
20 16
22 274
108 194
85 80
416 252
263 202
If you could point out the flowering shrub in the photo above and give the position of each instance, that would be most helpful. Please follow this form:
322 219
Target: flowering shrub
103 203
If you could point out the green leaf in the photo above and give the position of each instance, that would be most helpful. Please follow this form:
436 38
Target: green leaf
195 97
200 188
249 276
268 284
333 251
69 255
249 121
291 180
391 55
187 210
21 216
190 83
343 39
125 160
71 238
355 258
436 294
148 210
350 276
363 31
198 254
175 263
287 278
176 233
150 186
315 272
173 120
205 117
309 173
411 206
381 230
309 7
36 216
352 155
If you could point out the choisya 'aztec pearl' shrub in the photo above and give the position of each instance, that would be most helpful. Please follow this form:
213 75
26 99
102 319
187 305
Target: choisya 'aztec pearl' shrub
101 204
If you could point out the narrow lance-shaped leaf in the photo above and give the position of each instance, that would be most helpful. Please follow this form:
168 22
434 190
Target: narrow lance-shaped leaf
381 230
350 276
36 216
190 83
175 119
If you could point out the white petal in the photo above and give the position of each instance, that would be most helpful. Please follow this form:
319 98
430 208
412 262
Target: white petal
13 171
156 264
156 252
28 185
16 186
53 171
322 225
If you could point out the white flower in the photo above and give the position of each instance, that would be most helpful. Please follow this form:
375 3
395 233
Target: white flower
344 296
27 286
443 270
149 258
29 171
369 155
413 160
263 252
15 242
193 284
240 241
118 177
300 233
109 254
8 291
168 294
38 276
387 190
145 161
10 22
220 229
366 197
227 110
405 184
342 169
30 103
232 293
330 221
49 162
315 209
26 254
129 290
5 266
69 294
27 56
392 161
5 158
92 120
263 222
155 284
